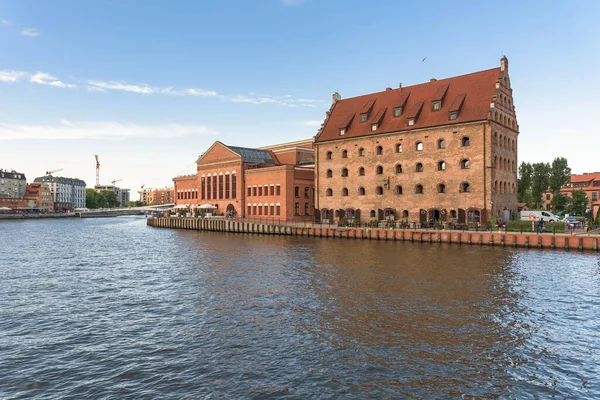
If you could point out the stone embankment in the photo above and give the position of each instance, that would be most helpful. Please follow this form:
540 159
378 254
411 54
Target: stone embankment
39 216
525 240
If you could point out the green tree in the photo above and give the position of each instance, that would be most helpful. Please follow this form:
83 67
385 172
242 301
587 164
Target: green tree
560 202
136 203
598 217
91 199
110 199
528 198
579 202
524 183
540 180
560 173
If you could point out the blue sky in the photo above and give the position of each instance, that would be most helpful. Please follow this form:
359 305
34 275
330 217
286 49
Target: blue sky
149 85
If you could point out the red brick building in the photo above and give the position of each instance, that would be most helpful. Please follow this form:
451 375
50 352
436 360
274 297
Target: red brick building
154 196
38 195
588 182
443 150
270 182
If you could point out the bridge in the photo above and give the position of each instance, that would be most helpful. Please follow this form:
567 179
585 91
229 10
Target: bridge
115 212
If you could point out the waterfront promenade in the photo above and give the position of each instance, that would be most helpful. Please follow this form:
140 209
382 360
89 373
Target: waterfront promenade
487 238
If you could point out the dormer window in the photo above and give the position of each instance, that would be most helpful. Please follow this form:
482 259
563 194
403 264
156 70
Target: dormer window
456 106
366 111
374 127
342 131
411 121
453 115
397 112
364 117
436 105
414 113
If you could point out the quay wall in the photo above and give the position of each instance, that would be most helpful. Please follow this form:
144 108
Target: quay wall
501 239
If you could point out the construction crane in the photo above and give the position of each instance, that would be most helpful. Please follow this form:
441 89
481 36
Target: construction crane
53 171
115 181
97 171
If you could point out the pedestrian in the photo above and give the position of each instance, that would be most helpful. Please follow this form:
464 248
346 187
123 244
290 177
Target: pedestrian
541 225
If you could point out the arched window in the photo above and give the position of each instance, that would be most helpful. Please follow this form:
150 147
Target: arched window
344 192
379 190
372 214
419 167
398 168
344 153
305 208
441 144
329 193
361 191
344 171
496 187
466 141
495 161
329 173
465 164
419 146
361 171
379 170
379 150
398 189
398 148
419 189
441 188
306 191
405 214
361 152
441 165
297 209
465 187
329 155
452 214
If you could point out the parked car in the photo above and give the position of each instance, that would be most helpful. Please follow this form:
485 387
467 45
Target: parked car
548 216
571 220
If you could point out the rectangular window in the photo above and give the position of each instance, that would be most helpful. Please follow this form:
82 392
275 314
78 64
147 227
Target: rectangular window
453 115
397 111
272 210
278 191
249 210
364 117
342 131
260 190
215 187
297 209
208 188
254 210
220 186
266 210
254 190
305 208
249 191
272 190
278 210
266 192
411 121
297 191
227 186
436 105
259 210
594 196
233 186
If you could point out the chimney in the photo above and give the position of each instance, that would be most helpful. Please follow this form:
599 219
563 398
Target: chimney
400 87
504 64
335 98
433 80
387 89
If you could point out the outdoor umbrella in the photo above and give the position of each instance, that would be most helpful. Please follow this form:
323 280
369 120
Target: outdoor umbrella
207 206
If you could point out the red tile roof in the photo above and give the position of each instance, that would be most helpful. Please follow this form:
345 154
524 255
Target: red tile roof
478 89
585 177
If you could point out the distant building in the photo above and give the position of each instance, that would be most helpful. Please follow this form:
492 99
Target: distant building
67 193
588 182
273 182
12 184
38 196
122 194
154 196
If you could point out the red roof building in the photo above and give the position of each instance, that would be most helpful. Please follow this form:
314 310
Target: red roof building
444 150
588 182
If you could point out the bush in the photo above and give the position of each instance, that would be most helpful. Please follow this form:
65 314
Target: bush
525 226
374 223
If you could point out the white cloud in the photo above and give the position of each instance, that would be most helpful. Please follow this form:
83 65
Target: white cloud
119 86
312 122
144 89
43 78
99 130
4 22
30 32
11 76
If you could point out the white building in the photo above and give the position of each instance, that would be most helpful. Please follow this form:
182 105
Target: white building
66 192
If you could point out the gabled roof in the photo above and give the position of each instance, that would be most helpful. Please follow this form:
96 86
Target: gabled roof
478 89
250 155
585 177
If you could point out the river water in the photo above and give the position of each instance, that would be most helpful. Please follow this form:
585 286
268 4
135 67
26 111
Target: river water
110 308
